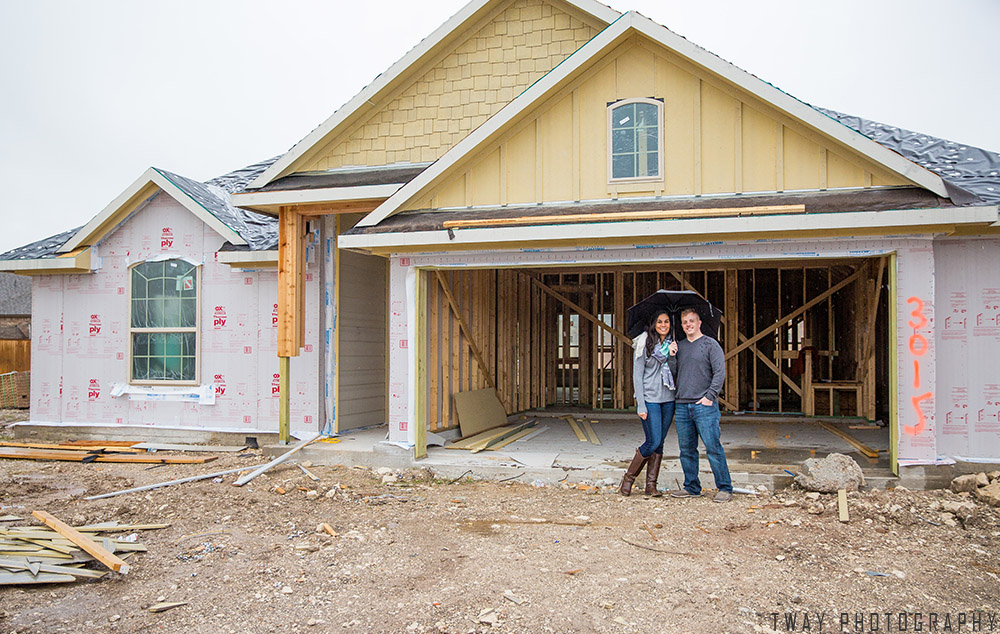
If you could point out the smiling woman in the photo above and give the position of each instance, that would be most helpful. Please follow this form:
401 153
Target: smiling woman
164 322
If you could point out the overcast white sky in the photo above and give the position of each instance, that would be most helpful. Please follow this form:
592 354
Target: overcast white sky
92 93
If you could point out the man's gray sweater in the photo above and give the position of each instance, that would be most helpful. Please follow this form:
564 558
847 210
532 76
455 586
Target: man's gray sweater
701 369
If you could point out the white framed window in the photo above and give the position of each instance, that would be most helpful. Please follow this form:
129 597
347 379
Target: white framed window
635 133
164 307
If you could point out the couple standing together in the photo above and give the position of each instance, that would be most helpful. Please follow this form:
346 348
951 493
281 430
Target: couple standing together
683 378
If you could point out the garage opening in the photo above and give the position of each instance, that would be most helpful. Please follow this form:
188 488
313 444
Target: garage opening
805 340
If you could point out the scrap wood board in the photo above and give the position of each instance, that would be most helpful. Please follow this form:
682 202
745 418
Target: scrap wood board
162 446
489 438
591 434
576 428
61 447
479 410
98 551
70 455
851 440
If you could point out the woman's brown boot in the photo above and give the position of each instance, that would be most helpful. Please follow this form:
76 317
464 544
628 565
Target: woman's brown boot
630 474
652 474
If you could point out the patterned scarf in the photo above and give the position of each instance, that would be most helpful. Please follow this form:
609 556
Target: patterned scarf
660 353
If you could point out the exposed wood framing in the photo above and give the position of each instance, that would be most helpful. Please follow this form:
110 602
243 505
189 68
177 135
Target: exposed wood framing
555 337
625 215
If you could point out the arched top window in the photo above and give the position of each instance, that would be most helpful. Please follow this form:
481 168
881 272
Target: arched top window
634 140
163 322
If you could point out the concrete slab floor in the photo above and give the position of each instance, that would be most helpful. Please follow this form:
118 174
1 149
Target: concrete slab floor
758 452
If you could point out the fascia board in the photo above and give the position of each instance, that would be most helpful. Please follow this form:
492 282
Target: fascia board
82 262
700 228
785 102
96 226
494 124
281 167
268 202
239 259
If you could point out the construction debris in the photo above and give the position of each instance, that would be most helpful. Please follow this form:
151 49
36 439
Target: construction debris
57 552
828 475
494 438
97 455
283 457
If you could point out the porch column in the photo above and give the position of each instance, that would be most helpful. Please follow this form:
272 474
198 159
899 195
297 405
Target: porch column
291 306
402 361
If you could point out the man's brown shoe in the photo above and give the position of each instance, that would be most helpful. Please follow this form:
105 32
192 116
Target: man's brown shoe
683 493
723 496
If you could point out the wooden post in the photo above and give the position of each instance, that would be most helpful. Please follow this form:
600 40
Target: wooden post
732 330
284 408
291 295
808 394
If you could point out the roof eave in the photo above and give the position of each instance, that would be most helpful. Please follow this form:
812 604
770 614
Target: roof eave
611 36
942 220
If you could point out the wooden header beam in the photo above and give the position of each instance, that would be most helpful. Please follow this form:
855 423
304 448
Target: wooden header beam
659 214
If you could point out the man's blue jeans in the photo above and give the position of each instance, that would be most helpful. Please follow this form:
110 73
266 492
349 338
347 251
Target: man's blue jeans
657 424
694 420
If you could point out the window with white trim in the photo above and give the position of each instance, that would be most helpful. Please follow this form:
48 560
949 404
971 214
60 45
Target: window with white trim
163 325
634 133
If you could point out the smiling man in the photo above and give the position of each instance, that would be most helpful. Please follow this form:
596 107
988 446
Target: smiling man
701 370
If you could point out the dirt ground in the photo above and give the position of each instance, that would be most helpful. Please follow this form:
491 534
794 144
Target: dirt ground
426 555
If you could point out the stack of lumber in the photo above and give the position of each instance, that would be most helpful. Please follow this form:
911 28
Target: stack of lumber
58 553
92 451
493 439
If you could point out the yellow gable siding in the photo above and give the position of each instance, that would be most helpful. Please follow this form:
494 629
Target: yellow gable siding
718 140
447 101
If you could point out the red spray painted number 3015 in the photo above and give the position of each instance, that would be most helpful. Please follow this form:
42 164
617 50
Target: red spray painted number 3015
918 348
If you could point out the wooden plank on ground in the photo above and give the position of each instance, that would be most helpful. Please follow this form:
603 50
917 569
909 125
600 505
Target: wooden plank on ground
851 440
591 434
162 446
41 445
576 428
479 410
98 552
24 578
11 564
283 457
842 505
69 455
514 438
502 436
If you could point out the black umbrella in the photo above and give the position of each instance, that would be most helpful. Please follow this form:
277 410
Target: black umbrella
674 302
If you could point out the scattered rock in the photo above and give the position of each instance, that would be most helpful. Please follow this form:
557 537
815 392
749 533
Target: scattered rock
989 494
993 475
982 479
964 483
312 495
389 478
286 590
830 474
382 471
332 492
812 495
488 617
815 508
